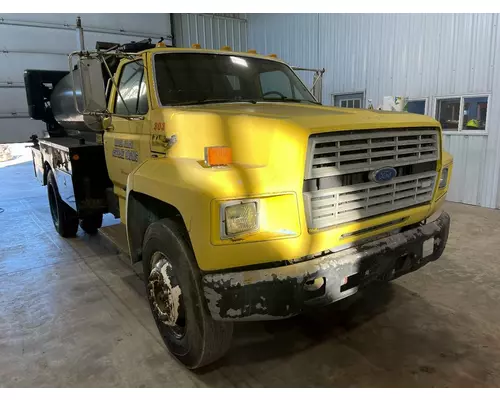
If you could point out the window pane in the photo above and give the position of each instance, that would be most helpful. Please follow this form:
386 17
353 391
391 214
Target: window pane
276 83
187 78
234 81
129 85
298 93
350 100
416 106
447 113
142 106
475 109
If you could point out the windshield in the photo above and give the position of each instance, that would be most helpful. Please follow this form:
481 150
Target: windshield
194 78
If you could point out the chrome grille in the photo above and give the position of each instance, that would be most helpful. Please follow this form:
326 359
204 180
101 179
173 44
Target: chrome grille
349 152
343 204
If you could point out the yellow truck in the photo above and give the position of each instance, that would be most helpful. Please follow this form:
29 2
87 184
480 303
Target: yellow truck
244 197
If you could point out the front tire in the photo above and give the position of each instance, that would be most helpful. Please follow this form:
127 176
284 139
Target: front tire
65 219
173 285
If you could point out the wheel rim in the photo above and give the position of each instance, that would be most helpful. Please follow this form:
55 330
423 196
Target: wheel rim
165 295
53 206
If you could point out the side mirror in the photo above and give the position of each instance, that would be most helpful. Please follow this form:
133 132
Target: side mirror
89 97
92 86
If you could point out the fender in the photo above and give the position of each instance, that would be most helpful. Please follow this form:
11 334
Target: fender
184 187
174 186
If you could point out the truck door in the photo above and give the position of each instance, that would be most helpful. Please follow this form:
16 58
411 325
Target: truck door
126 137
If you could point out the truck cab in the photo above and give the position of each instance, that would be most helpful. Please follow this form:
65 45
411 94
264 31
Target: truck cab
242 195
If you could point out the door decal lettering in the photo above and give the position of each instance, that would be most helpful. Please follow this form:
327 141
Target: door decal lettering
121 150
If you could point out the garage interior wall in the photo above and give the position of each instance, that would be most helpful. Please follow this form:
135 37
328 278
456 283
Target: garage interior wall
43 41
416 56
211 31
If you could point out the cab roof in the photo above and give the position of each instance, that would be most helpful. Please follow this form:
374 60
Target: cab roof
210 51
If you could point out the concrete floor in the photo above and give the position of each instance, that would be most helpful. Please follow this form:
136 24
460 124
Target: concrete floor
72 313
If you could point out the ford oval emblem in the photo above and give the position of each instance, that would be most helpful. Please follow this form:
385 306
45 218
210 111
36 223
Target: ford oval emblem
383 175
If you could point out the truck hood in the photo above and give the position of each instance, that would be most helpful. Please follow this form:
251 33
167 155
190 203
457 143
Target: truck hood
315 118
265 134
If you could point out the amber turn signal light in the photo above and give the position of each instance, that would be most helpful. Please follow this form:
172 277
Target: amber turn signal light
218 155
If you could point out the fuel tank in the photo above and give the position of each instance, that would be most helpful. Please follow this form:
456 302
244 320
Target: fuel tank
63 105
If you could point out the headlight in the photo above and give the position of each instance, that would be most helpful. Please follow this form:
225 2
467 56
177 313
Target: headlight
239 217
444 178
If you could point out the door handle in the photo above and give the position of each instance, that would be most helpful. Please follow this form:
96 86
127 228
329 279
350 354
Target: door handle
110 128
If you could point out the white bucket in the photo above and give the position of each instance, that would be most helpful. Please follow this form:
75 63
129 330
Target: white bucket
394 103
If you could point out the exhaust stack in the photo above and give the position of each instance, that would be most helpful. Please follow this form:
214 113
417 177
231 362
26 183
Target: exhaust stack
79 35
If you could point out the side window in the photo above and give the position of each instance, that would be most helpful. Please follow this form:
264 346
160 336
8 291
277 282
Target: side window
132 87
448 113
274 82
416 106
353 103
463 113
142 102
348 100
474 113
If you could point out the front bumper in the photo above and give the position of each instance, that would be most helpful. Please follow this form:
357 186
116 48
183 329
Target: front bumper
274 293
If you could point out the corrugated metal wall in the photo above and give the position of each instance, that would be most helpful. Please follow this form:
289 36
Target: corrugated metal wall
293 37
417 55
211 31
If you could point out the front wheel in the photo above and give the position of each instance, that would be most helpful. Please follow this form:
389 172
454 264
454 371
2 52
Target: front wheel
173 286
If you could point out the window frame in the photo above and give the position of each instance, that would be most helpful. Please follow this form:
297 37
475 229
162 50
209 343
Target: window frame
425 99
462 97
358 92
117 88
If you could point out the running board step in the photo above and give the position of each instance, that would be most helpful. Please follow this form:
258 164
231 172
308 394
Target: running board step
115 238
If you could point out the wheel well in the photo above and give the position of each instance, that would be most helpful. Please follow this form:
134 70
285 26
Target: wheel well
144 210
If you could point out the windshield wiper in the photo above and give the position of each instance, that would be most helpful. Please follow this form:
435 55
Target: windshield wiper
208 101
253 101
292 100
